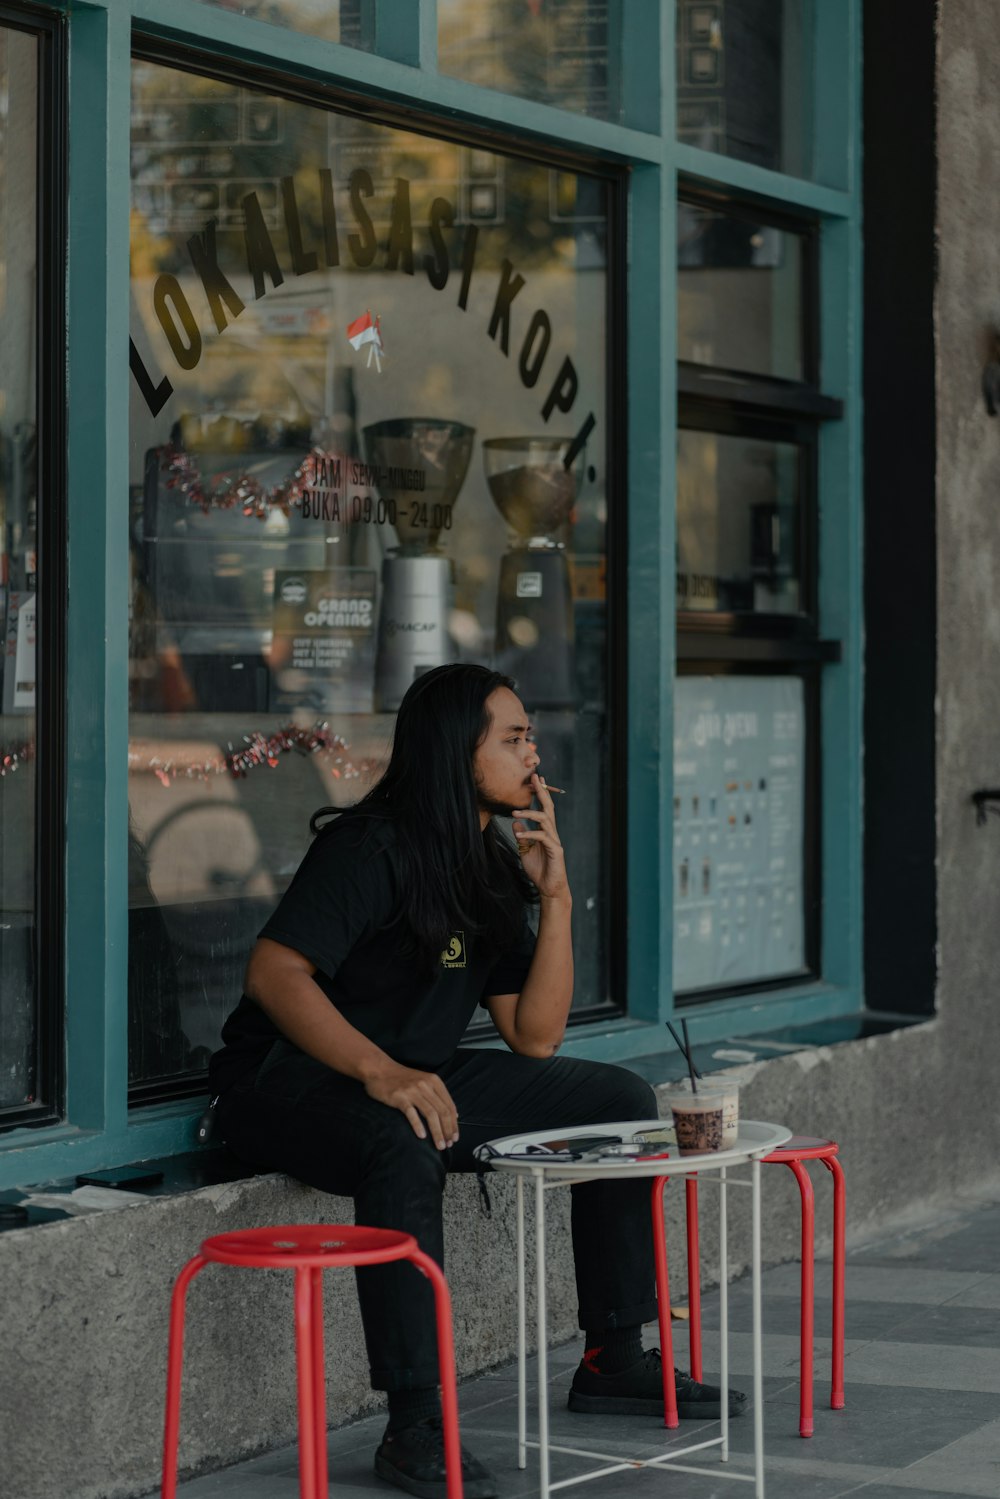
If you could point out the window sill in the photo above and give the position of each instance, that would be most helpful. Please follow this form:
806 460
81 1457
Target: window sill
182 1173
733 1033
764 1046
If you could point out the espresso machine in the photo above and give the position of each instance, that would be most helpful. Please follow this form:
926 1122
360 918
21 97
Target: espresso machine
419 466
535 493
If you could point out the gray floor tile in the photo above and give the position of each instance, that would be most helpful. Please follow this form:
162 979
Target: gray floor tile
887 1404
879 1426
965 1240
984 1292
661 1483
954 1321
969 1326
885 1491
888 1282
842 1474
863 1320
232 1483
928 1365
970 1465
781 1354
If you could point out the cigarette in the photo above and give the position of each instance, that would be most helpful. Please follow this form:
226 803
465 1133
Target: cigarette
556 790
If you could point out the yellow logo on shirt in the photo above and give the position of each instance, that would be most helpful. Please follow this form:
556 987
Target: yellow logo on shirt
454 954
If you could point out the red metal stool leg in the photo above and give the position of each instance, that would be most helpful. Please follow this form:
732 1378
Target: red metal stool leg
670 1417
839 1254
304 1365
319 1384
806 1326
175 1360
694 1276
446 1370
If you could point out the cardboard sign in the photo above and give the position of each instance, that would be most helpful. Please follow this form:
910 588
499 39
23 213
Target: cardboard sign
323 648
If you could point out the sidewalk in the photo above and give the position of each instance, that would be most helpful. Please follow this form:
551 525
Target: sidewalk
922 1383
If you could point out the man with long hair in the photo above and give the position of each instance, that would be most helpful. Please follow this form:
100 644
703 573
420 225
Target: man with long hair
343 1064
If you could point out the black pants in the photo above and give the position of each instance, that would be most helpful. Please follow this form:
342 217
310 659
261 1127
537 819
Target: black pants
297 1116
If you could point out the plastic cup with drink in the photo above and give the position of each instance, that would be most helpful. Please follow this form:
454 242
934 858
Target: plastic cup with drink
706 1119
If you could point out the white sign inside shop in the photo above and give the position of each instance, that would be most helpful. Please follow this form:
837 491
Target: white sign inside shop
739 762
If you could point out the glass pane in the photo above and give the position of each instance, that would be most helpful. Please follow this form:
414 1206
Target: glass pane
739 777
554 51
739 294
333 20
744 80
737 523
18 566
367 436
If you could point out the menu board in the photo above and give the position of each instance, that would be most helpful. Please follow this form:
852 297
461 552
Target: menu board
739 759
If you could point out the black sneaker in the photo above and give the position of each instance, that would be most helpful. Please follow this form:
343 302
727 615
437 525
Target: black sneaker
638 1391
413 1459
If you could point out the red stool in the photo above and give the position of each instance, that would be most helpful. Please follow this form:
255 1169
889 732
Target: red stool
309 1251
799 1148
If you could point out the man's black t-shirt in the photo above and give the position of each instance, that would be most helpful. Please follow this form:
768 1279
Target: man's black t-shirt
342 911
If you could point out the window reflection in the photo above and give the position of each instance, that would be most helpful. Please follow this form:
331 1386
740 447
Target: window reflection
738 509
343 21
367 436
739 293
19 1039
555 51
744 80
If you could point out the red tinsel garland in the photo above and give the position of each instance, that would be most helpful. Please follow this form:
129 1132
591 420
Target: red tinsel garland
181 472
13 757
259 749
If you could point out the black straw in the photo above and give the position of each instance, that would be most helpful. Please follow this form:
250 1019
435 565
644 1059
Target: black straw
687 1048
684 1047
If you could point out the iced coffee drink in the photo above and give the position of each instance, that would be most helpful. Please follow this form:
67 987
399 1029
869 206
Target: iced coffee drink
698 1121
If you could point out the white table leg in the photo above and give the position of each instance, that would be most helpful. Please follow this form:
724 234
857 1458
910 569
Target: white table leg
522 1381
724 1313
543 1351
758 1372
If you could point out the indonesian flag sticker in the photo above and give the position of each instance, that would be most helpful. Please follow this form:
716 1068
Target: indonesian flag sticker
368 330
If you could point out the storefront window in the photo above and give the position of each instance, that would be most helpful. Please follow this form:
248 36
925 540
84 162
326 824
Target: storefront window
744 80
750 415
555 51
368 435
341 21
739 293
19 1008
738 523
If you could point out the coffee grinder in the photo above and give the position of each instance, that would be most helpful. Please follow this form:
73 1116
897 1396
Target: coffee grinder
419 464
535 493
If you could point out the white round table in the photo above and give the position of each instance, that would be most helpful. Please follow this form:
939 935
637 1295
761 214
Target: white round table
526 1157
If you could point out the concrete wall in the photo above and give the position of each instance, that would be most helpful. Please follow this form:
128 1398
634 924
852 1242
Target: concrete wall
968 309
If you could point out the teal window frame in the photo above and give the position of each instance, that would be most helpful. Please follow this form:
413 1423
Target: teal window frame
99 1129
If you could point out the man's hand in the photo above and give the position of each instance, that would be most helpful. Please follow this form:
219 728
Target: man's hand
421 1096
542 857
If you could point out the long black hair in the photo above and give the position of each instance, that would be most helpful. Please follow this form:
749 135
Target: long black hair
454 875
